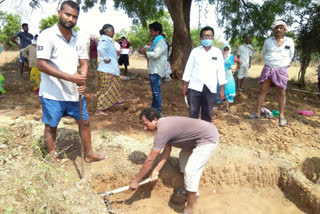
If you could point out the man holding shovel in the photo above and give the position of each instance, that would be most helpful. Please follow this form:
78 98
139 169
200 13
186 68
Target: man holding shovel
59 51
197 140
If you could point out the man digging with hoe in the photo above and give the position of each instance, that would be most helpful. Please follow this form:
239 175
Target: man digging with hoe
196 138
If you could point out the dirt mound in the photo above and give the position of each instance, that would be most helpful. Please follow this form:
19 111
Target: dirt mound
258 167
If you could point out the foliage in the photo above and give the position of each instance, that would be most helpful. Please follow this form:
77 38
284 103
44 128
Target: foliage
308 41
141 11
50 21
139 34
9 26
247 18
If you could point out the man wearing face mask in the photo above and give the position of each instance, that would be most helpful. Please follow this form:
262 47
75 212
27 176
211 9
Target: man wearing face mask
203 72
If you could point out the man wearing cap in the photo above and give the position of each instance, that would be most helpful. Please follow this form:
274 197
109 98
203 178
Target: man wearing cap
278 52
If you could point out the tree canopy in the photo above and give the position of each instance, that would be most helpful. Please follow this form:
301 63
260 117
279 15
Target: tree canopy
10 25
248 18
308 40
50 21
239 18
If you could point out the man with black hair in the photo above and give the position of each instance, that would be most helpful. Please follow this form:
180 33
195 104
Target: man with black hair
203 72
197 140
25 40
157 56
59 51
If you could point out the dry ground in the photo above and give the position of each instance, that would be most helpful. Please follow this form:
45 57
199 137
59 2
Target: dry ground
257 168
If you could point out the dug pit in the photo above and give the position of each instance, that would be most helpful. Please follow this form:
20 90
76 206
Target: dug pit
235 180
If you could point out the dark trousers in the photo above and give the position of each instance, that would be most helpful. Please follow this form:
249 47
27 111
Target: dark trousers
204 100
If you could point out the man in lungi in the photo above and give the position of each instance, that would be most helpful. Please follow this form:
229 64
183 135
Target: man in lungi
278 52
197 140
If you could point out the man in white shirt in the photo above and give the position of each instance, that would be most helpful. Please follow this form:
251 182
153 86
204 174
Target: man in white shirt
278 52
203 72
58 53
244 54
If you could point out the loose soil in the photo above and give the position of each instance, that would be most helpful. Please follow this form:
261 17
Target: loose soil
258 166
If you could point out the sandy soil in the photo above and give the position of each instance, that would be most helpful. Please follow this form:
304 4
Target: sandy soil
245 175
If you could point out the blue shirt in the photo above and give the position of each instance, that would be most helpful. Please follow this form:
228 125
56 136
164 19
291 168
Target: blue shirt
106 51
25 39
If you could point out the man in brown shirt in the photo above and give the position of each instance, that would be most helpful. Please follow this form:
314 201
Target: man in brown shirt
196 138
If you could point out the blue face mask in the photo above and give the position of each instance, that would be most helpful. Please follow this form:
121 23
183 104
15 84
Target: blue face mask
206 42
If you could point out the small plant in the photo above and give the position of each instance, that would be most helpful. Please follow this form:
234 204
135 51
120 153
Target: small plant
40 148
9 210
4 135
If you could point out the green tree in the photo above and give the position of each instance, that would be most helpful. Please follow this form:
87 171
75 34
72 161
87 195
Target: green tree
248 18
50 21
139 34
308 40
9 25
239 17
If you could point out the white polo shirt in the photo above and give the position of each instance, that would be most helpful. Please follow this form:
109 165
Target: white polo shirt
275 56
63 55
205 68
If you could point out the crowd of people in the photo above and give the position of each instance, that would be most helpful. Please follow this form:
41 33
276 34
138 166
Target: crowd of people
208 79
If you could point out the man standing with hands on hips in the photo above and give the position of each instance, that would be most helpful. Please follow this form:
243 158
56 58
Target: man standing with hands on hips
203 72
59 51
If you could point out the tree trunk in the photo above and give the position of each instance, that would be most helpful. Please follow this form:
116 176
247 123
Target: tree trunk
181 42
305 60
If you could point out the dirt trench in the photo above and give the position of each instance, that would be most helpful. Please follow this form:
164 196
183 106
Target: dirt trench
228 185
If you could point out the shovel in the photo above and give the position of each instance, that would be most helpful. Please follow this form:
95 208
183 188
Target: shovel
121 189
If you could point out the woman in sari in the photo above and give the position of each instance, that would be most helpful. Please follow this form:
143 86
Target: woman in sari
230 87
109 92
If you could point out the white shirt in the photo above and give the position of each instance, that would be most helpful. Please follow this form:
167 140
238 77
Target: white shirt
245 53
205 68
64 56
275 56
